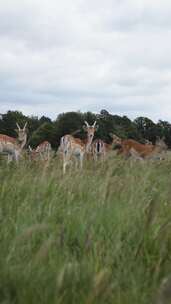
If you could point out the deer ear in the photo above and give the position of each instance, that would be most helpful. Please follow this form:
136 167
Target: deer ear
84 128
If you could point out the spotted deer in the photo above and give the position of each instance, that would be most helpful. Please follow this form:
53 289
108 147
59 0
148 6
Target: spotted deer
74 148
11 146
99 148
42 151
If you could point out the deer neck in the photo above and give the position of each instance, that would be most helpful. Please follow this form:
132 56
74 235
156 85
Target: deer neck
22 143
88 144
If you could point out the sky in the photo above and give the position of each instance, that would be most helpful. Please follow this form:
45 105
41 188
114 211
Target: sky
58 56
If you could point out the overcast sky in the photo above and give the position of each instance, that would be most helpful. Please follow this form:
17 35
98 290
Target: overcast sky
58 56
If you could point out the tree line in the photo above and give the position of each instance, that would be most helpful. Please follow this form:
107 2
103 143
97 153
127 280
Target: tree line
40 129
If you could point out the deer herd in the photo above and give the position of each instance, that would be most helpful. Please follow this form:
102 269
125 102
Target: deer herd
75 150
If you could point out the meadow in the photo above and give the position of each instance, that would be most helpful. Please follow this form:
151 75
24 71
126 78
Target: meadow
97 236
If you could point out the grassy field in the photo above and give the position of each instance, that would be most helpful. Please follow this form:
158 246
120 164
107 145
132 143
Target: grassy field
97 236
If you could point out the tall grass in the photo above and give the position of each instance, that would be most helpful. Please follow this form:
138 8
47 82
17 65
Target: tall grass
97 236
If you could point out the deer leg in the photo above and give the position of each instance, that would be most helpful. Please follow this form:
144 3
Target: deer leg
95 156
104 156
81 160
64 167
10 158
17 156
76 163
41 156
66 161
48 154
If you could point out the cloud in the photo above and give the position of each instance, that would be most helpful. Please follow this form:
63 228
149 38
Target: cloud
86 55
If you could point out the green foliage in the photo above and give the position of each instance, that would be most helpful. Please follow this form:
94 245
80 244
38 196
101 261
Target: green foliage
68 123
8 123
44 132
97 236
72 123
164 130
147 128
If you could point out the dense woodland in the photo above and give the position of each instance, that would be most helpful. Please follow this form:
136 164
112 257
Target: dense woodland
44 128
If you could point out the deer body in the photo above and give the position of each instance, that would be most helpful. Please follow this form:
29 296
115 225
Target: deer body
43 150
75 148
8 145
148 142
130 147
99 149
13 146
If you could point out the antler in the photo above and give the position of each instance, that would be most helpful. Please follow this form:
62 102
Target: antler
30 148
87 124
25 126
94 124
18 126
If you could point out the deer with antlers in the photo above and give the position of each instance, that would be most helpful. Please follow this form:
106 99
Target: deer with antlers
11 146
75 148
130 147
42 151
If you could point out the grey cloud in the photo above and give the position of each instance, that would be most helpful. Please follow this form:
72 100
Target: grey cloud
86 55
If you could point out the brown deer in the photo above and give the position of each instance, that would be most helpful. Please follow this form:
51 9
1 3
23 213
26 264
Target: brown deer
99 148
130 147
42 151
75 148
11 146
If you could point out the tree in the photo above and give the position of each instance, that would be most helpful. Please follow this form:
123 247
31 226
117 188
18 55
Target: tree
68 123
164 130
72 123
8 123
44 119
147 128
44 132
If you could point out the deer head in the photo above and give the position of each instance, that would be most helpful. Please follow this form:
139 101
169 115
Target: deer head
116 140
22 134
90 129
160 143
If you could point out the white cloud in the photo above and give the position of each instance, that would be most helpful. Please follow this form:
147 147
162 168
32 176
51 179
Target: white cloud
86 55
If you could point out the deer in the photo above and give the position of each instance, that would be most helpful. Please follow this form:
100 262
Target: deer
11 146
148 142
130 147
99 148
43 151
75 148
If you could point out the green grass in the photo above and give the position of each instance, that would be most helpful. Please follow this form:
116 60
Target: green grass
97 236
